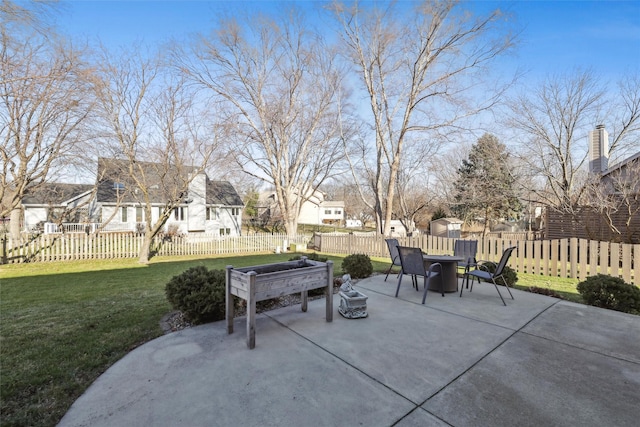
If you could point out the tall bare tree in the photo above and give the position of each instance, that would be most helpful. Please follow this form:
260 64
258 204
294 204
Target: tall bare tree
416 66
615 197
553 119
45 100
158 135
282 93
413 194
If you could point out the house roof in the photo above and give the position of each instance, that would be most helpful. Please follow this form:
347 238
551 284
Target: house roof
622 164
55 194
222 193
163 184
116 184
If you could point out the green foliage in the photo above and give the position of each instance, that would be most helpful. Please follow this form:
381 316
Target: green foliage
199 293
439 213
312 256
485 187
357 265
509 274
610 292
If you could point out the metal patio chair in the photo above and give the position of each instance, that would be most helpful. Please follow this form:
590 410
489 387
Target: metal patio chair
413 264
482 272
393 244
466 249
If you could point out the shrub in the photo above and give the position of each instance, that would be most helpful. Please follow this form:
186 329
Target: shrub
312 256
610 292
199 294
544 291
509 274
357 265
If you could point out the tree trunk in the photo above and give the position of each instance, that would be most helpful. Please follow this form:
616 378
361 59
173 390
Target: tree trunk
14 223
145 248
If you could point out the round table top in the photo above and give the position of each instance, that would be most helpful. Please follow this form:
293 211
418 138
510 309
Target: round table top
441 258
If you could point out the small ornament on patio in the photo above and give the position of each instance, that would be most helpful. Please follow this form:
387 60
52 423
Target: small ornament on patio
353 304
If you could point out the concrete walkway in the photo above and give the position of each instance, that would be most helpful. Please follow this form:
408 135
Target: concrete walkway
466 361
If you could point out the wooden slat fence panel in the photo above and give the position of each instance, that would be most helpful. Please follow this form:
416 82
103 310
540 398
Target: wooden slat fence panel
570 258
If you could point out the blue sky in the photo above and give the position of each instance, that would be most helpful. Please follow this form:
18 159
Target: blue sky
557 36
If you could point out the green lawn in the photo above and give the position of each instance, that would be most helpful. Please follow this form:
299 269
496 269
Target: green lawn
63 324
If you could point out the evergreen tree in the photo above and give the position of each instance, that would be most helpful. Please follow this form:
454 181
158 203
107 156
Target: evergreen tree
485 189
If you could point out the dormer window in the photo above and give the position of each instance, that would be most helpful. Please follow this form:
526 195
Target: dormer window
118 185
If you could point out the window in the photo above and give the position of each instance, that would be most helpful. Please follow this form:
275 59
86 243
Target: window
118 185
338 212
180 214
235 211
212 214
123 214
139 214
327 211
225 231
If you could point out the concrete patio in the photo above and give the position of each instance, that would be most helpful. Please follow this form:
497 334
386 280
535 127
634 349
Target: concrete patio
466 361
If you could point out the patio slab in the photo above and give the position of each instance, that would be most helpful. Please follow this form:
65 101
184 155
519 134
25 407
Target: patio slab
453 361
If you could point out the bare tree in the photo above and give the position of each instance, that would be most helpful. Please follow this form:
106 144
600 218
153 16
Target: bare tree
282 93
154 132
416 71
553 120
45 100
413 194
616 198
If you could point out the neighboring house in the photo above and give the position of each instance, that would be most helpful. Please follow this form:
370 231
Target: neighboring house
56 203
353 223
212 207
587 222
446 227
397 228
315 211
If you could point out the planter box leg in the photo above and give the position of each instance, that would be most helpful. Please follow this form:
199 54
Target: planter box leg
329 294
305 298
251 311
229 302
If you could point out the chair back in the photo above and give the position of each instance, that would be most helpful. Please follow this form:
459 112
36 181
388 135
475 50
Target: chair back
393 244
503 261
466 249
411 260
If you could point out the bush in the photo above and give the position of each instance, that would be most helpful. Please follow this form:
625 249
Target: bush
312 256
610 292
509 274
544 291
357 265
199 294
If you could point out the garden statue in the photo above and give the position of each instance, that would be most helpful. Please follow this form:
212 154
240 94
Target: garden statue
353 304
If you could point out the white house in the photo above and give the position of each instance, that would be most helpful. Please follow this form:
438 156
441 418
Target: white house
315 211
115 203
397 229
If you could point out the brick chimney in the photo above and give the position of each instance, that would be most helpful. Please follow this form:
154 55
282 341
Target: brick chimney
598 150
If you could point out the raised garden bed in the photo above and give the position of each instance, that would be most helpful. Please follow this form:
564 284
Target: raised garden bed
262 282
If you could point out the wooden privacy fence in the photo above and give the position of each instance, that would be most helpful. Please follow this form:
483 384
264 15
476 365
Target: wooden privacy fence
52 247
569 258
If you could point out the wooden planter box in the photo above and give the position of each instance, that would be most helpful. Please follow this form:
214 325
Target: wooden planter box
262 282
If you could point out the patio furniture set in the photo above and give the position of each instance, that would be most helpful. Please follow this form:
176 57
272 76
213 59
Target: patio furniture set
440 272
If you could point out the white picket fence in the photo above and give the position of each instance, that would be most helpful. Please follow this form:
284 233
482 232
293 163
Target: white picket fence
78 246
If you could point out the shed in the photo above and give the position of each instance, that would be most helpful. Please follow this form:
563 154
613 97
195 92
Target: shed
446 227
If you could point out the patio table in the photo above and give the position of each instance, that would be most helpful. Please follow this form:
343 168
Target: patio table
449 271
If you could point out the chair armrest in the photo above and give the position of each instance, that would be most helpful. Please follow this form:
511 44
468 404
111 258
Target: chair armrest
435 266
481 265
